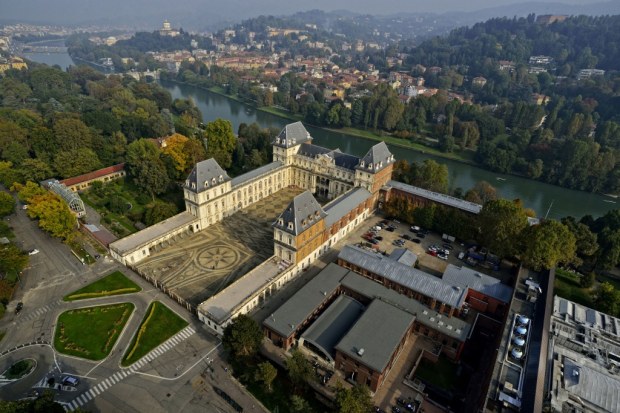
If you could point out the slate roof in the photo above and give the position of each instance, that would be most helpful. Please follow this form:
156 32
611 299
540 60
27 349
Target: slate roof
255 173
375 336
437 197
334 323
485 284
341 159
303 212
404 275
205 175
342 205
302 304
291 135
377 158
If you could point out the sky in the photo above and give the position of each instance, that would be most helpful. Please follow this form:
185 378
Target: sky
210 11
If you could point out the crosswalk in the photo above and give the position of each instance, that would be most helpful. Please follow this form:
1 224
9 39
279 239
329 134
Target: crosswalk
95 391
39 311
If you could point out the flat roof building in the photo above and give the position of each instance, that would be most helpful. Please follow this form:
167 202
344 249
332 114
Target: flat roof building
585 348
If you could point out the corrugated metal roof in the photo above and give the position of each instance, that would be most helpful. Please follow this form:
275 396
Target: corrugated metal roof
437 197
255 173
404 275
300 306
342 205
485 284
375 336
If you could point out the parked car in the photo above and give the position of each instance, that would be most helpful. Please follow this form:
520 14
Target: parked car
416 240
414 228
70 381
406 236
448 246
443 257
33 252
421 235
379 238
373 241
390 229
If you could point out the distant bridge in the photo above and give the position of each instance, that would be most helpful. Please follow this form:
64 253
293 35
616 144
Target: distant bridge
147 75
44 49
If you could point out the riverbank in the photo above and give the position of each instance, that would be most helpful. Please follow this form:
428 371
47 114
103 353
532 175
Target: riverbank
465 157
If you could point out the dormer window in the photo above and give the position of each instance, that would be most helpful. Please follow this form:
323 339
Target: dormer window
303 222
206 184
213 181
187 182
290 226
370 165
221 178
193 185
362 164
277 140
280 222
316 214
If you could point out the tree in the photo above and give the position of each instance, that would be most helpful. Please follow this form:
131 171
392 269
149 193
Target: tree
12 259
500 222
34 170
432 176
175 151
242 337
547 244
354 400
72 134
299 369
158 211
586 240
266 373
76 162
221 142
146 167
28 191
42 404
608 299
481 193
300 405
53 214
7 204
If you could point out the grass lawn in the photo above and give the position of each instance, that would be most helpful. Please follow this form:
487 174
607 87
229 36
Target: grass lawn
159 324
115 283
91 332
567 286
441 374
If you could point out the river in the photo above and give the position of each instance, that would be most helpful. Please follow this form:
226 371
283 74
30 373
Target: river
541 197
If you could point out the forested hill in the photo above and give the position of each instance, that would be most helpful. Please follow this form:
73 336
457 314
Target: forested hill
580 42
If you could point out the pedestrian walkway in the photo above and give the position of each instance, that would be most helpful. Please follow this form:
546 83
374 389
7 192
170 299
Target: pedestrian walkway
24 318
95 391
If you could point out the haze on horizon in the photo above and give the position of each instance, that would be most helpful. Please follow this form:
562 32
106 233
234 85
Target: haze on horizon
192 12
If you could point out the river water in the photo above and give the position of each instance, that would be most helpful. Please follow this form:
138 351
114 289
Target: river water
542 198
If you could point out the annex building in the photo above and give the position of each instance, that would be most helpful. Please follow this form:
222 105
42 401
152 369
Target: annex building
352 187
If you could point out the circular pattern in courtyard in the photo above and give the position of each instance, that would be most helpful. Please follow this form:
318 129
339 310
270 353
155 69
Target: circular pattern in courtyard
217 258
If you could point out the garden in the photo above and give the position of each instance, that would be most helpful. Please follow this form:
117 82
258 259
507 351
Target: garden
91 332
159 324
20 369
115 283
125 208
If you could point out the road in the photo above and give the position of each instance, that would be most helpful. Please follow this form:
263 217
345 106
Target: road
177 375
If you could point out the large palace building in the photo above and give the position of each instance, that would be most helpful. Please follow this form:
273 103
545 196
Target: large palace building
352 186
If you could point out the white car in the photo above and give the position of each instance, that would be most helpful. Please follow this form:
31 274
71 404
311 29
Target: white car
442 256
33 252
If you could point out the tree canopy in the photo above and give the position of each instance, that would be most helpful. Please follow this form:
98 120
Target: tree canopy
547 244
221 142
242 337
500 223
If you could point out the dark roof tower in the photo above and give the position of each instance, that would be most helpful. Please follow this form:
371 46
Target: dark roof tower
303 212
291 135
205 175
